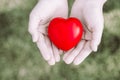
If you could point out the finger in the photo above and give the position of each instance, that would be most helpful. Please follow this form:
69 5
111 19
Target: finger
83 54
67 53
60 51
96 38
56 53
43 47
49 47
69 59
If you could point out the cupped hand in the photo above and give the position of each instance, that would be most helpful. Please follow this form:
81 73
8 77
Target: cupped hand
43 12
90 13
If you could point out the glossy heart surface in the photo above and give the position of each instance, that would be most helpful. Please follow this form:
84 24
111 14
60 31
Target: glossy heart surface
65 33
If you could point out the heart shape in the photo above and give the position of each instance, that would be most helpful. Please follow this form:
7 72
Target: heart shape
65 33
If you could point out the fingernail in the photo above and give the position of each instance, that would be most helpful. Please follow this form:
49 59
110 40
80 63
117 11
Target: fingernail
34 38
51 63
95 49
67 61
77 62
47 58
57 60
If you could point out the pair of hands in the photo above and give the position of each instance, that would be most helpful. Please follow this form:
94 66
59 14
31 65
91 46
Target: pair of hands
87 11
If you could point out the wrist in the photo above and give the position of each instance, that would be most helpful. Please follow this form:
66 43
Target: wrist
100 2
92 2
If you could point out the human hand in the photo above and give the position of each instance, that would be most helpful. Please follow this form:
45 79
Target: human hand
44 11
90 13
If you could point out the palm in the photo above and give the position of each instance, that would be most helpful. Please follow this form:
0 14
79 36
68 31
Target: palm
39 20
91 16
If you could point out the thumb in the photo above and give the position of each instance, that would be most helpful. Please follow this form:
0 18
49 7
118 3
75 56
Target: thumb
96 37
39 15
33 25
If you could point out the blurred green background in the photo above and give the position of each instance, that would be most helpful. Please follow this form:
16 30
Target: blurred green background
20 59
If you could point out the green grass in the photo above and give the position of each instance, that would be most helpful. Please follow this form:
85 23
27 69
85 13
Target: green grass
20 59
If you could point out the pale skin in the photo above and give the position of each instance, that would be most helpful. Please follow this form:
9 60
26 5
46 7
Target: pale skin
88 11
91 15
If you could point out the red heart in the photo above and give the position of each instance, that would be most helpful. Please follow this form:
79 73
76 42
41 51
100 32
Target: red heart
65 33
